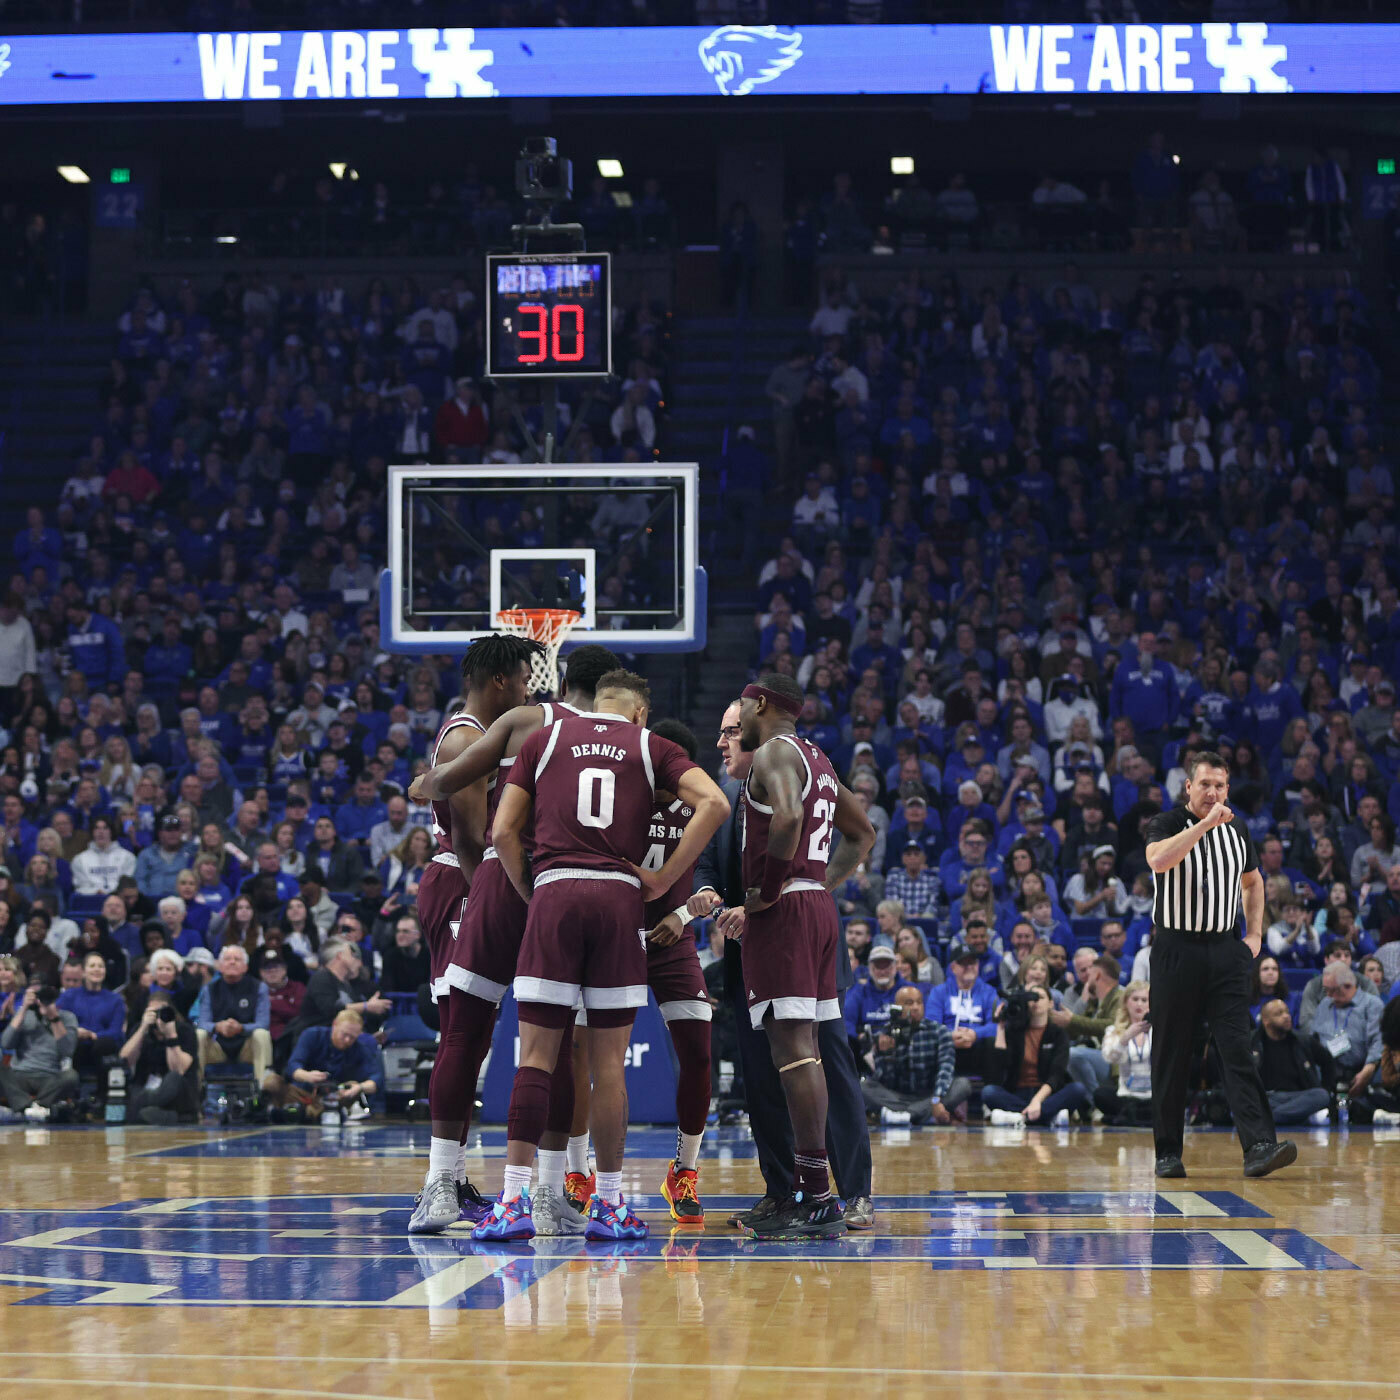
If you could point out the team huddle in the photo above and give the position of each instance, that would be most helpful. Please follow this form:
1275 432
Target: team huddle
568 835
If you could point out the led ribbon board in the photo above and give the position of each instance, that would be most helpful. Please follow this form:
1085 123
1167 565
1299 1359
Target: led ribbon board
731 61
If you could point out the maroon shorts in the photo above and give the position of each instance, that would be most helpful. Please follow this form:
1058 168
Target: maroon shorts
487 945
676 981
442 902
584 939
789 957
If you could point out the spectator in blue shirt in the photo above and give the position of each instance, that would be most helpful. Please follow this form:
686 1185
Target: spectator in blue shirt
877 652
971 854
158 865
911 824
1270 706
967 1005
869 1000
96 646
339 1058
268 866
38 543
101 1017
358 817
1144 691
976 937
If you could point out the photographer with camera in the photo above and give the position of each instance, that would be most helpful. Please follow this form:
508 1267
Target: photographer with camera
867 1005
162 1057
40 1040
333 1067
912 1079
1028 1074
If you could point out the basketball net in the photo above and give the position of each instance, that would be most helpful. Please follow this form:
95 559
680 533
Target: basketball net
548 626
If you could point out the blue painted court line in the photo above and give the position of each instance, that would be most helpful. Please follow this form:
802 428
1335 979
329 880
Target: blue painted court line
286 1211
317 1267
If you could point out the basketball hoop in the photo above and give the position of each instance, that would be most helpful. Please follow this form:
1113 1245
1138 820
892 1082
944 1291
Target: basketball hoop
548 626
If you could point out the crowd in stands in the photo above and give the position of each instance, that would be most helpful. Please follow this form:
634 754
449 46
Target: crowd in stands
204 752
318 214
1157 201
1046 543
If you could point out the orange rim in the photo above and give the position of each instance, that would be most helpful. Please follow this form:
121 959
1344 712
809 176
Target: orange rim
541 624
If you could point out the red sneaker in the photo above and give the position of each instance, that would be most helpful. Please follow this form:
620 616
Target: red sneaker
682 1191
579 1189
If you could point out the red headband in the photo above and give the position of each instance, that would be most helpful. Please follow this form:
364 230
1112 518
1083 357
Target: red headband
783 703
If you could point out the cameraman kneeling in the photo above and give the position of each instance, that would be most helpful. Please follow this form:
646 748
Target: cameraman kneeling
162 1054
913 1079
1028 1080
334 1066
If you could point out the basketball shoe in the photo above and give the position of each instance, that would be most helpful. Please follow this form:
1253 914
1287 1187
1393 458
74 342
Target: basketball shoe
472 1206
801 1218
437 1207
579 1189
554 1213
682 1192
609 1223
509 1220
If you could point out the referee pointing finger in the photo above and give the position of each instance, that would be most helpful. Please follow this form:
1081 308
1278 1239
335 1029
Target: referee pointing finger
1204 867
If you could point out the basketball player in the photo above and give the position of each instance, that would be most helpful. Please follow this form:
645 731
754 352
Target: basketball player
589 783
675 979
792 799
495 673
484 950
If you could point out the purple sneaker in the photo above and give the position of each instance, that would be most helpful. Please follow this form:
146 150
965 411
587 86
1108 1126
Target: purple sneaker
610 1222
472 1206
508 1220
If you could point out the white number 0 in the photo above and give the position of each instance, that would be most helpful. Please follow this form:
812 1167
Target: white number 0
605 781
819 847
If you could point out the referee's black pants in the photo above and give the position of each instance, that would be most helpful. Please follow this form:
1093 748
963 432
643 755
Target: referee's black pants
847 1133
1195 978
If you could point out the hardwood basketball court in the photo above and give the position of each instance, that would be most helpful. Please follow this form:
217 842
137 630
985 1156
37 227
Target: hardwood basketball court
273 1261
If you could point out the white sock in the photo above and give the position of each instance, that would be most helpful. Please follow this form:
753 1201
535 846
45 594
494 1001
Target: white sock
578 1154
610 1187
688 1149
460 1171
517 1181
551 1169
442 1155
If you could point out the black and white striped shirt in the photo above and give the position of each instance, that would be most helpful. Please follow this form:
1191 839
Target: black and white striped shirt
1201 894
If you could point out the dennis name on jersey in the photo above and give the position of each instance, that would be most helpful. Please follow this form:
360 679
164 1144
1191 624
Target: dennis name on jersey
598 751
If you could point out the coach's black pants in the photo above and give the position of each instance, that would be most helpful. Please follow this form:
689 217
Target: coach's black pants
1194 980
847 1134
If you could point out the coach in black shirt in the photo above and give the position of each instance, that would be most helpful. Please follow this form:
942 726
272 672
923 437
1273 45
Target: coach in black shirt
1205 866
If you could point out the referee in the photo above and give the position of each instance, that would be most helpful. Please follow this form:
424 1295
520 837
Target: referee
1205 866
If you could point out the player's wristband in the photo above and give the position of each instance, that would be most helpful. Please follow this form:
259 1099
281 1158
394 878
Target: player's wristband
775 872
682 914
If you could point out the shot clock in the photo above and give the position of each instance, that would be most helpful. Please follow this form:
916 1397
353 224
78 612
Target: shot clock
549 315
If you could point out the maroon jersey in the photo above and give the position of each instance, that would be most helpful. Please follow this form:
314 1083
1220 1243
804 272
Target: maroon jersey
495 784
593 778
818 813
442 811
668 825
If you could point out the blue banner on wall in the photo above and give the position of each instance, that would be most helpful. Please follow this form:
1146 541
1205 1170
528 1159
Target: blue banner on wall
730 61
650 1070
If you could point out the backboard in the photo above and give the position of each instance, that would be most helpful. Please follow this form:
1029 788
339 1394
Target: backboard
617 543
